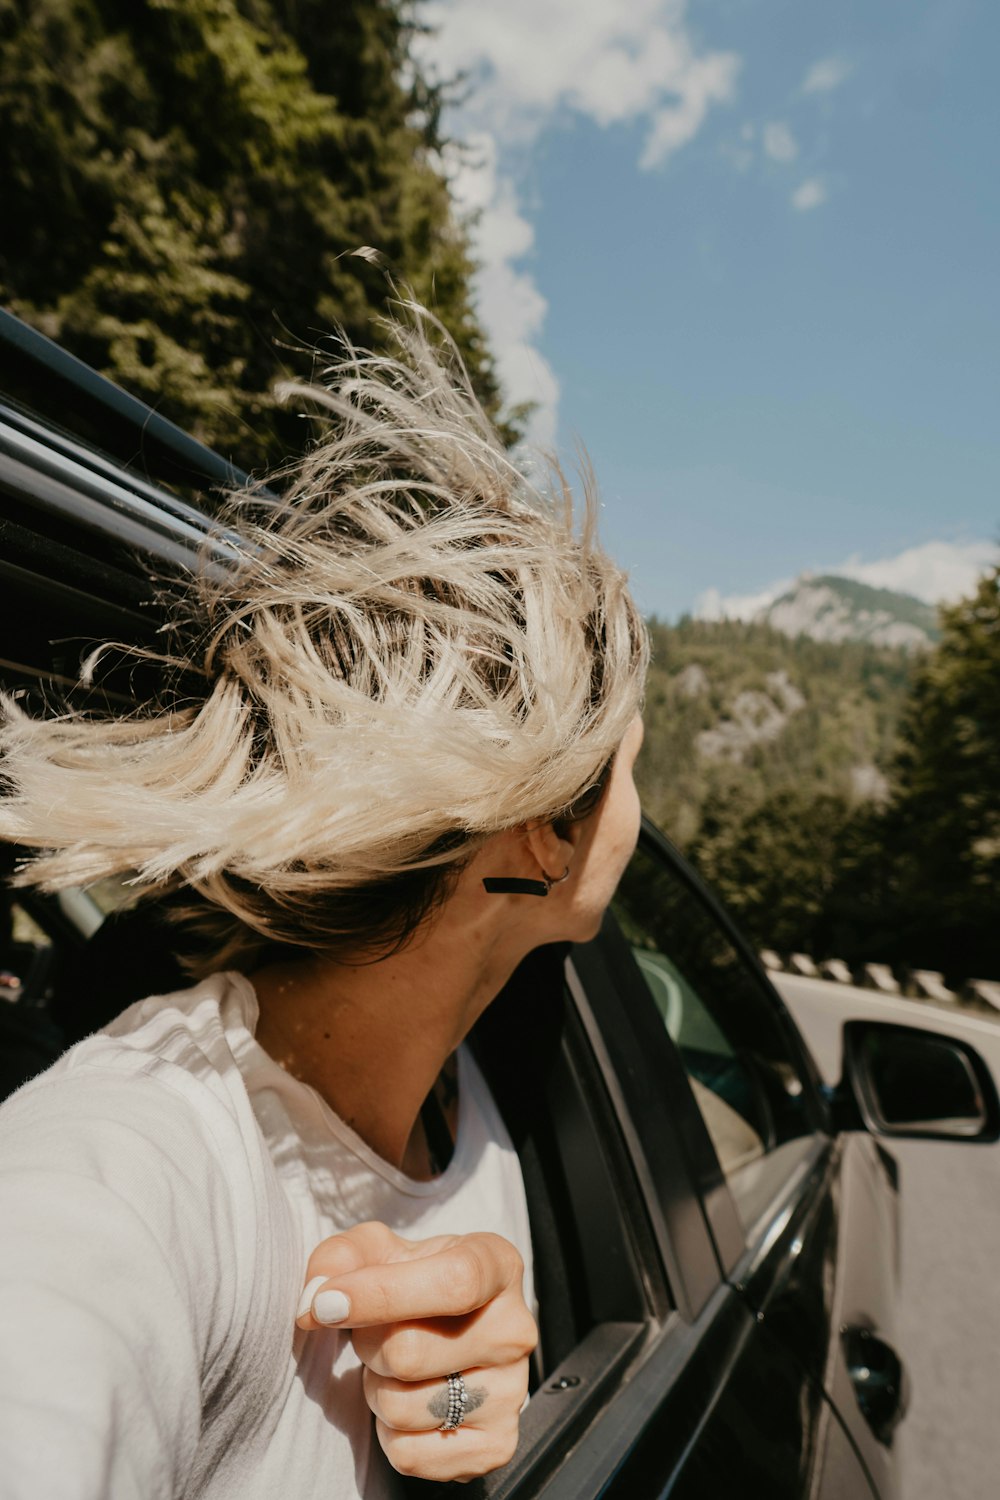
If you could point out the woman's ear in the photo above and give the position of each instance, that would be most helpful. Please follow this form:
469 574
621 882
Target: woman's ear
551 848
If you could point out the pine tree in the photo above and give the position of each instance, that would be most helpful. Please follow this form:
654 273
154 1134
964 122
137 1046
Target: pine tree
184 182
942 831
776 865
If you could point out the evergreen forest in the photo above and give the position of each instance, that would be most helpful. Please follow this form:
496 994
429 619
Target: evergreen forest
843 799
184 183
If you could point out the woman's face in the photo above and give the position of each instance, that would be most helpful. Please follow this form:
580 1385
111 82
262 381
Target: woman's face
607 839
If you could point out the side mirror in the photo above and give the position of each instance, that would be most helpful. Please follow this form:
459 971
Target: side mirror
907 1082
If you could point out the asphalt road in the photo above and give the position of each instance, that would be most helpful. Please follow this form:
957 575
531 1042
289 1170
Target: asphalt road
949 1330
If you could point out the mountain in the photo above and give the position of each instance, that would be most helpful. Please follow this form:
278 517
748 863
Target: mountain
738 712
829 608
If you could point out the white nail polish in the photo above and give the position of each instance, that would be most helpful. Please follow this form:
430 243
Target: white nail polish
308 1293
330 1307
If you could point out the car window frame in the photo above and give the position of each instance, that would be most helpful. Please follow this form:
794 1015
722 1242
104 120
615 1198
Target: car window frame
655 840
609 970
617 1370
708 1311
709 1268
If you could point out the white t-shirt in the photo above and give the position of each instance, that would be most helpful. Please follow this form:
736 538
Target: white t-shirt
161 1188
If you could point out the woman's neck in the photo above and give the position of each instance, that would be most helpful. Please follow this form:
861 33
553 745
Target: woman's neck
372 1038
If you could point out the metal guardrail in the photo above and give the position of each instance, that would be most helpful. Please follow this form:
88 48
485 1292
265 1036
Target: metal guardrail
912 984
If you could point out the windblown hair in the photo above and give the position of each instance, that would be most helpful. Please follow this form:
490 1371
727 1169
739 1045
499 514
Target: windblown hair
415 650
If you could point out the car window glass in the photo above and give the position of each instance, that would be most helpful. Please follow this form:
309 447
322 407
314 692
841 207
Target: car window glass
743 1073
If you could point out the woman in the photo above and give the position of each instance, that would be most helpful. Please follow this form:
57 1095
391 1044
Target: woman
409 764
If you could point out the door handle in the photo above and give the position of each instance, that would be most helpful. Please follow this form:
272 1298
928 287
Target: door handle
879 1380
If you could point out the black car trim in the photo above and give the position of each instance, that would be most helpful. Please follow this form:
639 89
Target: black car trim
719 1206
18 675
109 579
770 1264
623 1276
591 1467
133 423
23 669
41 488
772 1236
807 1067
706 1175
578 1171
561 1407
93 605
63 448
672 1202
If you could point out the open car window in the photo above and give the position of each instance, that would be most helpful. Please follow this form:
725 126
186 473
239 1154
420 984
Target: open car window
598 1278
745 1071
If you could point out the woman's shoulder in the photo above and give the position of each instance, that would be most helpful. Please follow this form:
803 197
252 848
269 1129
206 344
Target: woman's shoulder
149 1265
146 1127
161 1080
194 1032
198 1018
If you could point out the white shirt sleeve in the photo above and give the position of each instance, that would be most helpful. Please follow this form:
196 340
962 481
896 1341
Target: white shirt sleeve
114 1318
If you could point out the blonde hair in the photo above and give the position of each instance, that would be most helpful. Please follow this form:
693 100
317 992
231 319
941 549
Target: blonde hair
416 649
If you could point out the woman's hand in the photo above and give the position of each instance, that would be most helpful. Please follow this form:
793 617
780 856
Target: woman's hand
419 1311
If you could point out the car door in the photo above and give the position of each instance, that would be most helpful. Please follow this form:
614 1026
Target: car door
804 1226
689 1352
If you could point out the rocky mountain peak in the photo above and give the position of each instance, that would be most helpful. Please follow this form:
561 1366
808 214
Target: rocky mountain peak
830 608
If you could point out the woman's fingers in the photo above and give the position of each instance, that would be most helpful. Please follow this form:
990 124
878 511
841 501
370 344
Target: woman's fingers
422 1406
500 1334
432 1279
417 1312
442 1456
409 1418
367 1244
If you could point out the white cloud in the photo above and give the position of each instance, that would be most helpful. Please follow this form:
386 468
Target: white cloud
713 605
526 62
527 59
937 572
779 143
705 81
510 304
809 194
827 74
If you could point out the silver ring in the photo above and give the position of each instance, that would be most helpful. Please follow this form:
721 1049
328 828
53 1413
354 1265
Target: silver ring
458 1397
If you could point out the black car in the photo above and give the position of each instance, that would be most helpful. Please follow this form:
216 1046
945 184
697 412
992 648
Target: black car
715 1233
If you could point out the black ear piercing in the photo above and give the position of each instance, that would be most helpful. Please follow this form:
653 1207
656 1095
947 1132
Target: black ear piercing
501 885
511 885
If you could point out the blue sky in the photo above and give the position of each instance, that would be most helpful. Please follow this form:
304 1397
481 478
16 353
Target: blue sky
748 251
